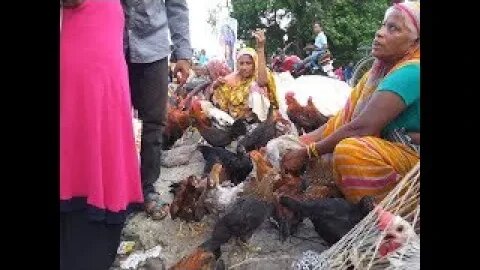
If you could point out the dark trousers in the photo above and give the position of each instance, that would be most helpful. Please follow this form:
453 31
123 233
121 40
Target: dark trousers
87 245
149 91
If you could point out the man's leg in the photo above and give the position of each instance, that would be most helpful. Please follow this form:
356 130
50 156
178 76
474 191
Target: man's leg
149 86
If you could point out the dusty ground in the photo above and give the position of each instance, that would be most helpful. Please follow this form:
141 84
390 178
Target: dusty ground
178 239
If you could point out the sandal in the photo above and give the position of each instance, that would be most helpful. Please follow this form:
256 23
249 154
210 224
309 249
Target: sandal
155 207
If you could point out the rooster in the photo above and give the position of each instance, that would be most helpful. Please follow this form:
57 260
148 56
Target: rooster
331 217
305 118
177 122
214 136
237 165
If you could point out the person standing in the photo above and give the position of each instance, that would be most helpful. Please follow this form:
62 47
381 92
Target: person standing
147 48
99 170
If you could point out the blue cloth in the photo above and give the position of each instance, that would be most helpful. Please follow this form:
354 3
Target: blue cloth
348 73
321 40
202 60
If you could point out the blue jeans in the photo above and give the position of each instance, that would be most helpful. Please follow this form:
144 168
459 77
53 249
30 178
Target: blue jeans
312 60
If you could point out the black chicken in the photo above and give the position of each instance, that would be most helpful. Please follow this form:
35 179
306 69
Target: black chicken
237 165
263 133
219 137
331 217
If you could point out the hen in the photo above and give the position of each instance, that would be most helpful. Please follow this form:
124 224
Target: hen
237 165
222 194
331 217
189 199
214 136
305 118
286 219
263 133
204 257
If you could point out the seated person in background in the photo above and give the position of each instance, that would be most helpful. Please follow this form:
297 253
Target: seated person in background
251 88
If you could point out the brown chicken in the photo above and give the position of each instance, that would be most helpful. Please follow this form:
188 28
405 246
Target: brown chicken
305 118
286 219
215 136
177 122
189 199
314 114
200 259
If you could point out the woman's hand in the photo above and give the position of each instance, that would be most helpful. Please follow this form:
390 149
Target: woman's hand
293 160
260 38
219 81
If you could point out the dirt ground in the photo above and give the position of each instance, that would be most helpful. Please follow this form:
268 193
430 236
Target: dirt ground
178 238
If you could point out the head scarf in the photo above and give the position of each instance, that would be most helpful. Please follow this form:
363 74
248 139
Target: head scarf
232 79
411 13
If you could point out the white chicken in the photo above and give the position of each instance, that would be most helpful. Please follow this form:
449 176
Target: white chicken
220 117
221 195
277 147
400 244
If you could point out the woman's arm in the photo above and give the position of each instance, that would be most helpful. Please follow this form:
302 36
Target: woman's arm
383 107
262 79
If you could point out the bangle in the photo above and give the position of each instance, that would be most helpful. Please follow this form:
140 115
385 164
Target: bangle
313 150
308 152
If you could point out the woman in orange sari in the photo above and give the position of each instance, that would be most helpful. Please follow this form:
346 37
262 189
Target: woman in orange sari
250 89
375 138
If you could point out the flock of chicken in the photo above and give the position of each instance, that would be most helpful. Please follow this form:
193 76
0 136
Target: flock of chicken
243 197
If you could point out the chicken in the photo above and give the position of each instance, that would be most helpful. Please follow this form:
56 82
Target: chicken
214 136
262 166
331 217
316 117
246 214
277 147
237 165
286 219
263 133
200 259
189 199
177 122
305 118
222 195
221 118
400 243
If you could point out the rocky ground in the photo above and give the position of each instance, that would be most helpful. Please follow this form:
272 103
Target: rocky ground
177 238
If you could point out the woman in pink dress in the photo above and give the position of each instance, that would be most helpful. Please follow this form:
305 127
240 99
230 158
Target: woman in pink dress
99 170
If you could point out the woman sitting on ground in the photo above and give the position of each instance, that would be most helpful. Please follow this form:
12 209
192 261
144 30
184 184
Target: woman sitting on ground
251 88
375 138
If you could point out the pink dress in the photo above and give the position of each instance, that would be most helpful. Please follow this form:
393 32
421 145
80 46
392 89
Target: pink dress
99 167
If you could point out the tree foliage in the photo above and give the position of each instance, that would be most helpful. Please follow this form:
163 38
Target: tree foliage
348 24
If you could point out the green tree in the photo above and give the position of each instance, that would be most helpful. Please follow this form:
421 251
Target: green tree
348 24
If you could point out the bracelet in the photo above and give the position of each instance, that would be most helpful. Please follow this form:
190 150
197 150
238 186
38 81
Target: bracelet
308 152
314 150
